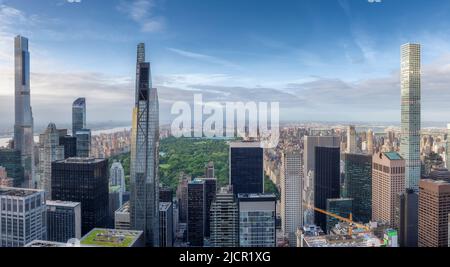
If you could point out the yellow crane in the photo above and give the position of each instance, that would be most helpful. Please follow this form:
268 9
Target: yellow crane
347 220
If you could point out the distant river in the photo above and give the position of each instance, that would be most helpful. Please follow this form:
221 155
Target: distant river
4 141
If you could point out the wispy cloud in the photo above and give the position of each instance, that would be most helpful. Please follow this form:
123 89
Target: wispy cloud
205 58
142 12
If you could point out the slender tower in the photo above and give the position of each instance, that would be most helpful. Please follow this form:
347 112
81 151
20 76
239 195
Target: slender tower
23 128
411 112
144 202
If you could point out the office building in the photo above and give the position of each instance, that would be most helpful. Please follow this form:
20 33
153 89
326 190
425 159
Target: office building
309 158
351 139
339 206
434 207
11 160
23 127
115 202
78 115
83 143
165 194
407 212
144 163
196 216
291 189
166 224
326 180
182 196
224 219
22 216
210 194
49 151
113 238
411 113
122 219
83 180
247 167
70 146
370 142
63 221
117 180
257 220
358 185
388 180
209 170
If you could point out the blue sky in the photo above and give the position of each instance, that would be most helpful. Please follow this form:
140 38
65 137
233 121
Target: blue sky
329 60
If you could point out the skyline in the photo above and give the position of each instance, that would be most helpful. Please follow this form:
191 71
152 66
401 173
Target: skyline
346 61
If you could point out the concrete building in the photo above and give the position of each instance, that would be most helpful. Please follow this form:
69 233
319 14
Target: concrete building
49 151
351 139
22 216
257 220
63 221
291 198
166 232
411 113
370 142
209 170
247 167
224 219
122 218
113 238
434 207
388 180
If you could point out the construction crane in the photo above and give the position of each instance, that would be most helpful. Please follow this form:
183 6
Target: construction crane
347 220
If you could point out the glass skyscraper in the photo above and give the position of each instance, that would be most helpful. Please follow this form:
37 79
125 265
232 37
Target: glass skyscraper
23 128
78 115
144 201
411 113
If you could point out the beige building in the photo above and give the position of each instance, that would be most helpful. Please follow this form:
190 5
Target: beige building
434 209
388 180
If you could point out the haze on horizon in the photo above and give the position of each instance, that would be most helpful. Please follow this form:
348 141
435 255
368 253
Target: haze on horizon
323 60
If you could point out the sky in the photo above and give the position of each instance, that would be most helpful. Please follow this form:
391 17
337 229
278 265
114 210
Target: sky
323 60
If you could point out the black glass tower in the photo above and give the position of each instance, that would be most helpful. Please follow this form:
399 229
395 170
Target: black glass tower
247 168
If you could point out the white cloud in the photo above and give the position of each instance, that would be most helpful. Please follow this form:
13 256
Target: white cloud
142 12
205 58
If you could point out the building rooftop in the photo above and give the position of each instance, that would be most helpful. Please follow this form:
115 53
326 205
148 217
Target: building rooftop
251 197
110 238
81 160
67 204
393 156
45 244
18 192
164 206
125 208
197 181
245 144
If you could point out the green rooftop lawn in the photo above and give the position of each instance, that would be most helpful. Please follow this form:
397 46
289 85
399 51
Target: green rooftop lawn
94 240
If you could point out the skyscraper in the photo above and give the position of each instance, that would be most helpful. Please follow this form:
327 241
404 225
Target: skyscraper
22 216
326 181
224 219
434 207
309 159
166 224
49 151
358 185
210 194
291 198
209 170
247 167
339 206
182 196
257 220
23 128
196 212
78 115
144 201
406 212
63 221
388 180
11 160
117 178
83 143
370 141
351 139
83 180
447 148
411 113
70 145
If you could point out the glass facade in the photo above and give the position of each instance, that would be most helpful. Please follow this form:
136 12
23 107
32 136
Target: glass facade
246 169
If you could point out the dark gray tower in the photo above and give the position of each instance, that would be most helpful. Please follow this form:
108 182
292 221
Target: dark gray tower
23 128
144 200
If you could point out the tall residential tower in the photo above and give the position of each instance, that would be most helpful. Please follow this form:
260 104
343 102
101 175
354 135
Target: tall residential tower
411 120
23 128
144 201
